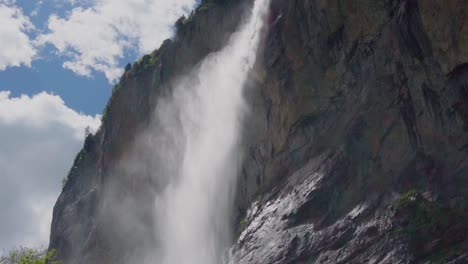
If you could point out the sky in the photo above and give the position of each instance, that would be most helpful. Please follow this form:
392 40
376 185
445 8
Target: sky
58 62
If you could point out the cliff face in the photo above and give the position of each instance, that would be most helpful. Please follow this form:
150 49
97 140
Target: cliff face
356 147
89 224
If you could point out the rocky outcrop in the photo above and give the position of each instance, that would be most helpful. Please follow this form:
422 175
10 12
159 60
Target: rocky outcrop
356 145
363 156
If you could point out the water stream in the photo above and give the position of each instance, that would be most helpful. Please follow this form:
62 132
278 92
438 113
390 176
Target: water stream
194 210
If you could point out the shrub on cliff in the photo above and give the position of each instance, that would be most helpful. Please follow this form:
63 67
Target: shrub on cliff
433 228
24 255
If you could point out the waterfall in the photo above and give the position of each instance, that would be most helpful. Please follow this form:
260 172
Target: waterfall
193 211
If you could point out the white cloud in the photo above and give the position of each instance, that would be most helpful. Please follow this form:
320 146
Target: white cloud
37 8
15 45
39 137
96 37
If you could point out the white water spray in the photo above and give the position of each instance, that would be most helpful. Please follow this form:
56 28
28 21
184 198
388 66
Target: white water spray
193 212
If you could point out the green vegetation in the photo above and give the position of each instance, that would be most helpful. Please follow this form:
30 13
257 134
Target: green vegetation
407 199
182 21
426 223
145 63
116 87
78 159
204 6
29 256
148 61
128 67
243 224
421 216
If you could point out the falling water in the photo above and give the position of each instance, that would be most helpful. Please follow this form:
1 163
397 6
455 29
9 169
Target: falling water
193 211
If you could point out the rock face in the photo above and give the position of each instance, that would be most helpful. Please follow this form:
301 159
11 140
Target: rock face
356 147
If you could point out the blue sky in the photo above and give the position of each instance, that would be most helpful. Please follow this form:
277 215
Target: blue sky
84 94
58 62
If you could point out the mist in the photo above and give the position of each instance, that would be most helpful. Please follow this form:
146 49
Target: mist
191 154
193 212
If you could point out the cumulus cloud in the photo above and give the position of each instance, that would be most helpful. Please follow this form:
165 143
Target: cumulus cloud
39 137
96 36
16 47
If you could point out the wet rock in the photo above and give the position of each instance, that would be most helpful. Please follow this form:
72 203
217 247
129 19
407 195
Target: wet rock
372 85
